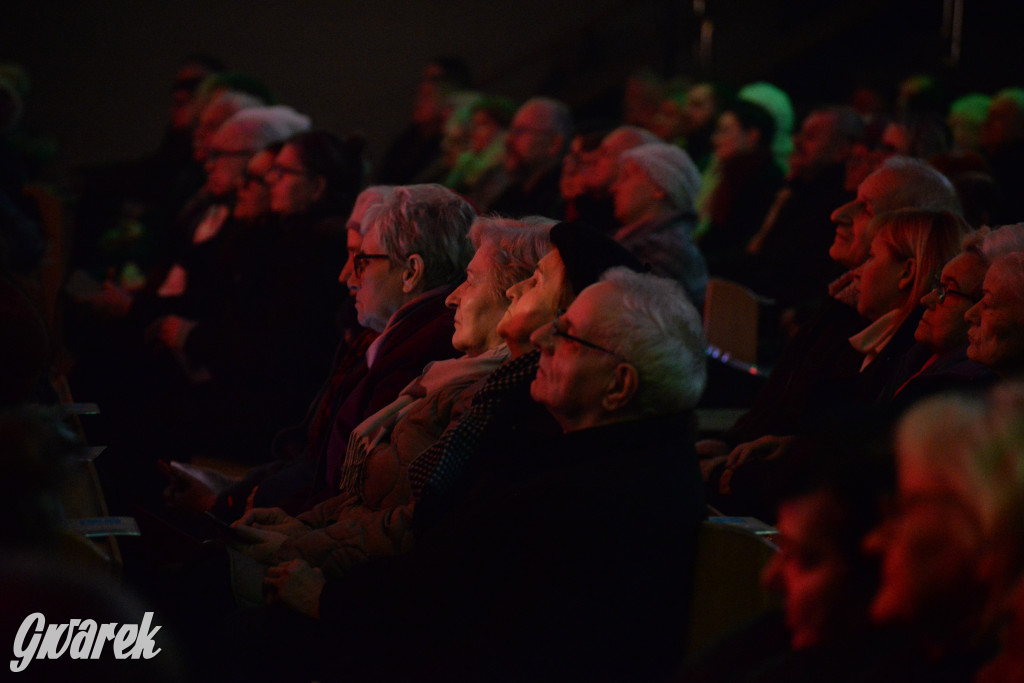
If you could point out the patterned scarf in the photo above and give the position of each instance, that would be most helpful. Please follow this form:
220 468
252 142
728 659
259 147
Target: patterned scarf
438 468
327 406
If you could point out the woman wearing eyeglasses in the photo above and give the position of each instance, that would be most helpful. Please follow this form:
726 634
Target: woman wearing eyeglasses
272 344
942 332
906 255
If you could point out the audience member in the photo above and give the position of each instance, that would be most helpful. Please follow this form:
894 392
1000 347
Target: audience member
825 580
951 548
503 421
654 195
1002 140
942 332
411 259
996 335
618 372
479 173
748 179
281 305
786 257
420 143
595 202
370 517
701 106
777 103
535 143
822 354
966 117
819 344
295 450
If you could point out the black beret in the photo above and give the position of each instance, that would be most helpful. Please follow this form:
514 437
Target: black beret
587 253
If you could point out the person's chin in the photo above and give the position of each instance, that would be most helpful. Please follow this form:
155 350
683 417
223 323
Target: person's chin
535 388
921 333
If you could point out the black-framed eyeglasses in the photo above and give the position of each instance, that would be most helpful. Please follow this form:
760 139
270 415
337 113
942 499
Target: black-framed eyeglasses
215 154
254 178
942 291
361 260
284 170
558 330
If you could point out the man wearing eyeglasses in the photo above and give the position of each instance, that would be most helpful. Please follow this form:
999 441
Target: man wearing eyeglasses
567 561
535 143
820 348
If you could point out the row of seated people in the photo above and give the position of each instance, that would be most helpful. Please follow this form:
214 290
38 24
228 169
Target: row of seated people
409 250
362 522
763 189
563 402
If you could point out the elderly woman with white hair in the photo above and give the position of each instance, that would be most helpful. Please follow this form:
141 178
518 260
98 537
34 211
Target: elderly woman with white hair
654 198
996 335
374 476
941 334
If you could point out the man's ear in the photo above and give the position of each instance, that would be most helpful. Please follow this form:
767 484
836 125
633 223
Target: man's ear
557 145
621 388
907 276
321 187
412 276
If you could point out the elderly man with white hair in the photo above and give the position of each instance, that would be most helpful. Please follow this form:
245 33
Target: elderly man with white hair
569 562
654 196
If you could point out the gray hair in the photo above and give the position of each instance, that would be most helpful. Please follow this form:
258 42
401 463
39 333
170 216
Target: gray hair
633 136
429 220
657 329
558 117
259 127
371 196
1012 265
991 243
229 102
920 186
974 446
518 246
669 168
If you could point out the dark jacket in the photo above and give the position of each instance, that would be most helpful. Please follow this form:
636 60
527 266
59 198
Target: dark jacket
667 246
922 373
421 332
541 198
574 564
792 264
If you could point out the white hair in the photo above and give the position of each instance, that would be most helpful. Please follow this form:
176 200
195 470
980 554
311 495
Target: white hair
371 196
657 330
920 186
991 243
974 447
429 220
518 246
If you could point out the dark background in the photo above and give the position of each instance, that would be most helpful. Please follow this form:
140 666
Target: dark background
101 70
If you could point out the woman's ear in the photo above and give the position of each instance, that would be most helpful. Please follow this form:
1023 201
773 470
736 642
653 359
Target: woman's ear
621 387
412 276
907 276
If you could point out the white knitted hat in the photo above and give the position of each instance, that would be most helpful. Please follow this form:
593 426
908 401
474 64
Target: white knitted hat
258 127
670 168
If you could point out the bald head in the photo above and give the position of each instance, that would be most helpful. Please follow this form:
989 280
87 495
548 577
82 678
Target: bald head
901 182
602 172
538 137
